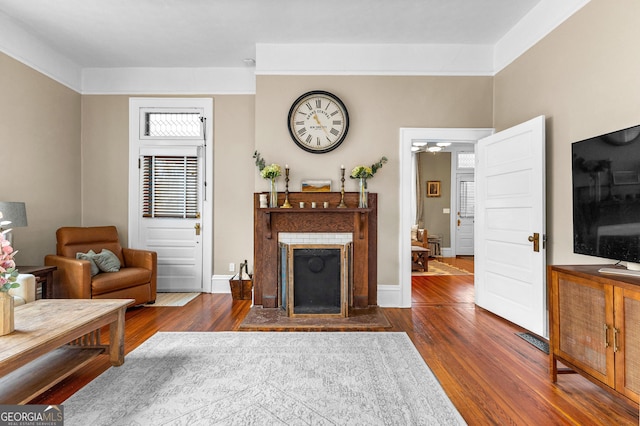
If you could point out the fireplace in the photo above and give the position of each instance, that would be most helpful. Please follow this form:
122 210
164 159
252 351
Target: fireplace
315 279
360 225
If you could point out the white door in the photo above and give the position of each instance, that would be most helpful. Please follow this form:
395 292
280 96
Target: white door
170 222
465 213
510 216
170 203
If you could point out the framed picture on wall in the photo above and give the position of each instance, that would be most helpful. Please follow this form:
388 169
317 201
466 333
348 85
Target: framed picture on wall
433 188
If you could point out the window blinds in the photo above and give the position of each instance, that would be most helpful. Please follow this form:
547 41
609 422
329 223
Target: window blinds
467 199
170 186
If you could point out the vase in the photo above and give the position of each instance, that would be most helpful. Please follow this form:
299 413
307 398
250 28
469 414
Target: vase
362 194
6 313
273 194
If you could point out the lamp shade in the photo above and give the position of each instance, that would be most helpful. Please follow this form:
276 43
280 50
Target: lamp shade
14 212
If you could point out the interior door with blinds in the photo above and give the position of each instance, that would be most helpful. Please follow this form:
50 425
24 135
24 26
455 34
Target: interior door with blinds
171 170
466 194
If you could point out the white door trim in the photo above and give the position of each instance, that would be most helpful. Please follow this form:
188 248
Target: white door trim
404 231
207 214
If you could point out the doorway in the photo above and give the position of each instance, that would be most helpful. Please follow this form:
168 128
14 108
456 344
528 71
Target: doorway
407 136
169 201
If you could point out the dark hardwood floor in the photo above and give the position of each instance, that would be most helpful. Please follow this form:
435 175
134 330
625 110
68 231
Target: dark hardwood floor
491 375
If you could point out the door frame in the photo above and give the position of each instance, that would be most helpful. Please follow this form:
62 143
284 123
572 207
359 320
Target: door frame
407 135
134 187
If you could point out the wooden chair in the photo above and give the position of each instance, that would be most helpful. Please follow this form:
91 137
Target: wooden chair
419 250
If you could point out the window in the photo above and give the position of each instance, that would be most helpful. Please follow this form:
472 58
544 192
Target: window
170 187
466 160
171 124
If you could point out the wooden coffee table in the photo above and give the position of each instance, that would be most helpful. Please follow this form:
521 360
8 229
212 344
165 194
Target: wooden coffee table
52 339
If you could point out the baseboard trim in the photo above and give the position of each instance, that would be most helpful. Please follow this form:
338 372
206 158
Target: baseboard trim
390 296
220 283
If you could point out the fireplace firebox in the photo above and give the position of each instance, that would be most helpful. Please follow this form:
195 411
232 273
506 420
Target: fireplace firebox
315 279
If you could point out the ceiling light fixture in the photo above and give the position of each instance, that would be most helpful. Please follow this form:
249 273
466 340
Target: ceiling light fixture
434 148
443 144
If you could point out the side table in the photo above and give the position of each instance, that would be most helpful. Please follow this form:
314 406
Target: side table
419 259
44 277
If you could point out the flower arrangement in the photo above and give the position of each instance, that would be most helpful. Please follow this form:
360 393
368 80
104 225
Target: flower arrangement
360 172
363 173
271 171
8 271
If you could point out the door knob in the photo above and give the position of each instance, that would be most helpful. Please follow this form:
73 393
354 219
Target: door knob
197 228
535 239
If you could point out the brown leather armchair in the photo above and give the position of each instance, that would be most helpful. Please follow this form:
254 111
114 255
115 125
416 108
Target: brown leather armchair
136 278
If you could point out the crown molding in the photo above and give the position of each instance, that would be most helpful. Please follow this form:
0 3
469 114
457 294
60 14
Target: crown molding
533 27
29 50
168 81
373 59
290 59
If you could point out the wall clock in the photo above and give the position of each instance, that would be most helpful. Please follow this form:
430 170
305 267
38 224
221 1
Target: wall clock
318 121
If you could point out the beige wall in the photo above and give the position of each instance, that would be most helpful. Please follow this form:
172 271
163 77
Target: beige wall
40 151
378 107
105 167
584 77
436 167
234 133
105 150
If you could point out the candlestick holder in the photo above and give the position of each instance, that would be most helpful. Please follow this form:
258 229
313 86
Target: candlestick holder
286 204
342 205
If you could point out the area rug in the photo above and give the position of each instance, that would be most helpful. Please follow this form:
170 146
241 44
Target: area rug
172 299
276 319
439 268
258 378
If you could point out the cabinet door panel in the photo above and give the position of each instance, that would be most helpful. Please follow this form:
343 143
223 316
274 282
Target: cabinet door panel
582 317
627 320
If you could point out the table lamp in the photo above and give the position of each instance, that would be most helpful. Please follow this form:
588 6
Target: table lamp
14 215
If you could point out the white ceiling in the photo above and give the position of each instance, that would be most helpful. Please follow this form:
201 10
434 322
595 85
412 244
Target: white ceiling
222 33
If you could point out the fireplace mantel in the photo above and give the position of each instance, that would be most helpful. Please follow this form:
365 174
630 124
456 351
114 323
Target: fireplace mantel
362 223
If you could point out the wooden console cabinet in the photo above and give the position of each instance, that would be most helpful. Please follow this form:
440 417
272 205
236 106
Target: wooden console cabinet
594 326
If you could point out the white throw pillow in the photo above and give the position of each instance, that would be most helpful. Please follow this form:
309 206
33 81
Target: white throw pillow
414 233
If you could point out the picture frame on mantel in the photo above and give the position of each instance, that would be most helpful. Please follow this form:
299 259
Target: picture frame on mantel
433 188
316 185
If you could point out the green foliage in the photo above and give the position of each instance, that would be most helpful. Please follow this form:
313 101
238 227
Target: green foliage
259 160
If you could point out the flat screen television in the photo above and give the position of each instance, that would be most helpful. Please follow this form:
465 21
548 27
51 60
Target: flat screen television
606 195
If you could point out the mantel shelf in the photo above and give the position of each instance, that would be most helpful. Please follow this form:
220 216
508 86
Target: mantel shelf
279 210
316 210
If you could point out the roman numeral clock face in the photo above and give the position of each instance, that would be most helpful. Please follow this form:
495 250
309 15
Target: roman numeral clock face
318 121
